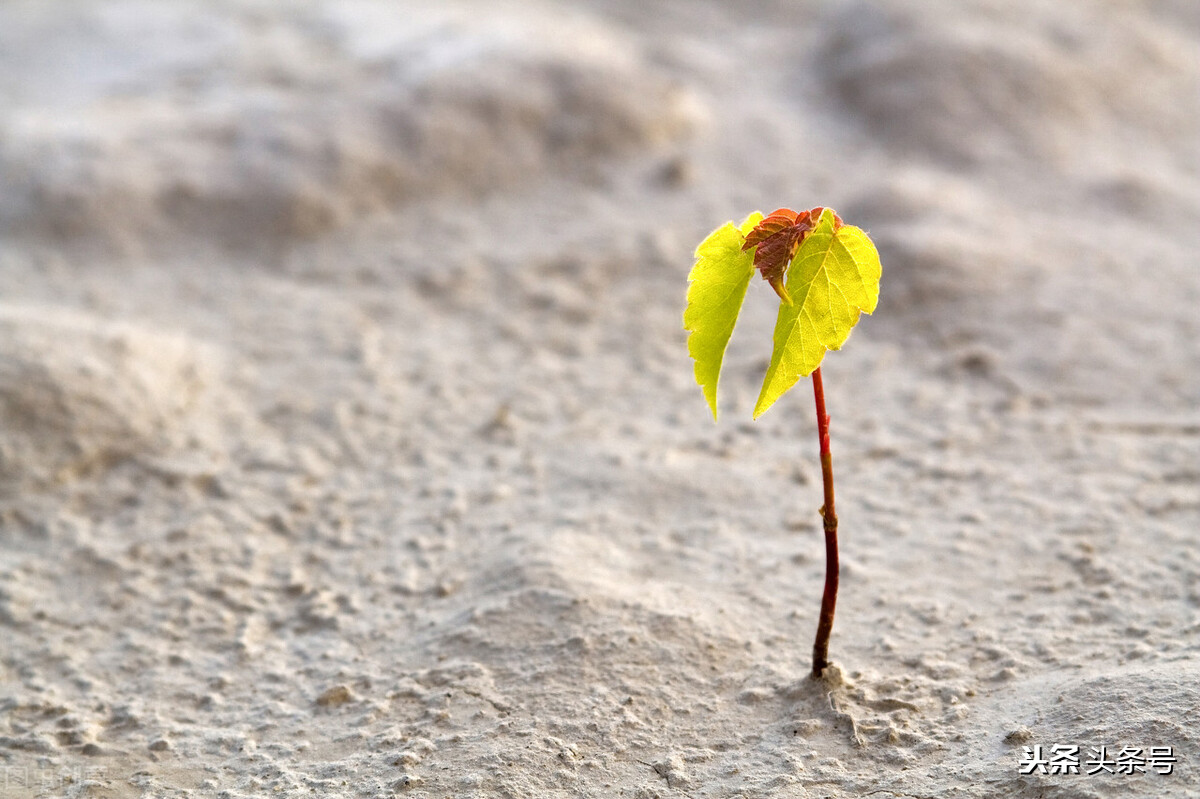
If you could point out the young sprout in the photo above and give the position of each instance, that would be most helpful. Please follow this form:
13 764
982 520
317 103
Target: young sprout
826 274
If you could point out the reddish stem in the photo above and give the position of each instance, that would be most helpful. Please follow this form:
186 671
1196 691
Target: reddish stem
829 598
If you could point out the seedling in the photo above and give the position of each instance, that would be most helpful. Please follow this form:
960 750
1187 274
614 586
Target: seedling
826 273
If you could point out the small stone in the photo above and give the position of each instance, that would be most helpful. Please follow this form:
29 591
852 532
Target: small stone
337 695
1020 735
406 782
161 745
806 728
672 770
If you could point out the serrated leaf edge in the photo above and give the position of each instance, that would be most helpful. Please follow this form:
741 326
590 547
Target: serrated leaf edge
741 284
777 353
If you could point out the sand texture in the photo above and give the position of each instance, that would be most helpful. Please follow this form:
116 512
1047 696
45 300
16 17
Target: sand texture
349 444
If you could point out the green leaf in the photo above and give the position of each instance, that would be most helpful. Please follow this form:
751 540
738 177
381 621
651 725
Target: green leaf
834 277
716 289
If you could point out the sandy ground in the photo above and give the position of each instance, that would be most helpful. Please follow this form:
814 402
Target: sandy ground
349 444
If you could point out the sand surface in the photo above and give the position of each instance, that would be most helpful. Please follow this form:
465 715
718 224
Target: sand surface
349 444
